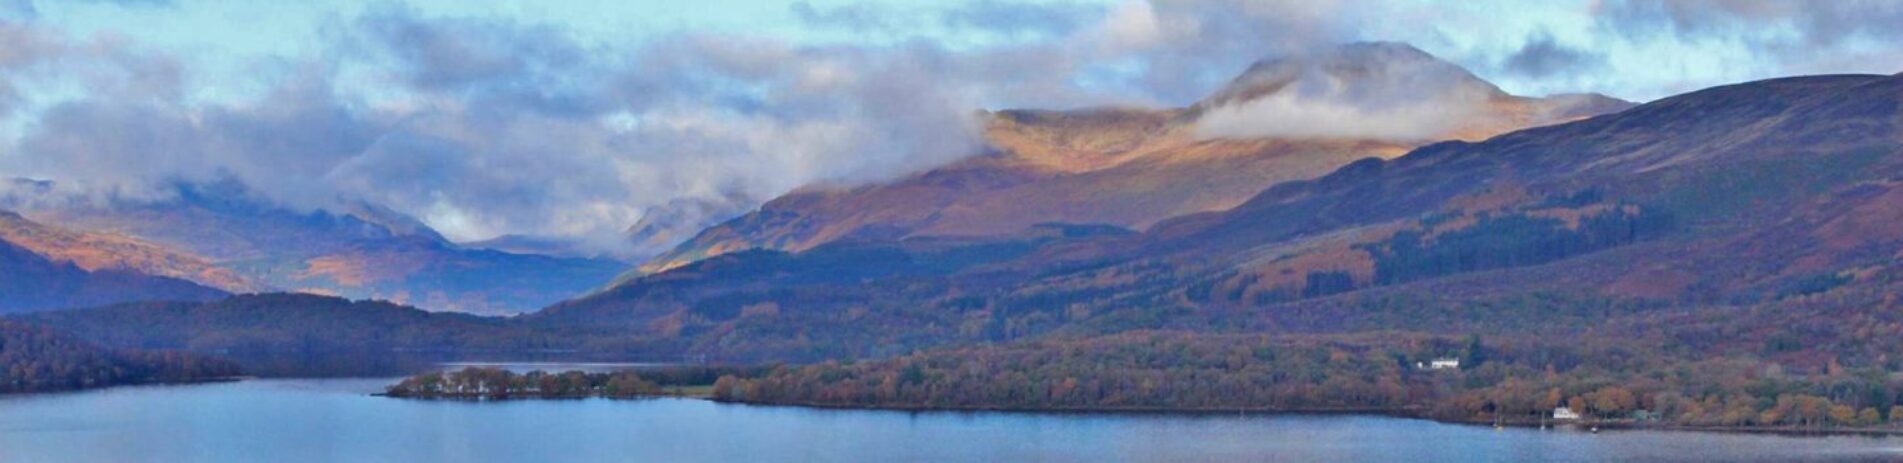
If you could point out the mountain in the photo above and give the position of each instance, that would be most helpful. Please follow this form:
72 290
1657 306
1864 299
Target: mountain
1131 167
34 282
362 251
1750 198
102 251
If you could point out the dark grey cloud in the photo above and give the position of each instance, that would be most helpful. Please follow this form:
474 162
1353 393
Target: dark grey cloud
1543 57
1010 18
517 67
104 67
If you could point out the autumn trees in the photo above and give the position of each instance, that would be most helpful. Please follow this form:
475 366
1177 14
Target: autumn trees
1511 380
496 383
34 358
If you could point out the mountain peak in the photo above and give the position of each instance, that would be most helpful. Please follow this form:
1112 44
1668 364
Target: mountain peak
1361 70
1383 91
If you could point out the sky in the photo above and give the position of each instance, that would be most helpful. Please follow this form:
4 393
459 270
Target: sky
577 119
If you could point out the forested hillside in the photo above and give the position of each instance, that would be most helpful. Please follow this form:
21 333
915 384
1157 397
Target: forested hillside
38 359
287 323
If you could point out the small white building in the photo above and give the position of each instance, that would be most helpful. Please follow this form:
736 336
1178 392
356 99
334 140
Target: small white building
1564 414
1439 364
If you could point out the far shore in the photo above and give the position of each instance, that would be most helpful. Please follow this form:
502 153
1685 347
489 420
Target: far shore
1417 413
164 382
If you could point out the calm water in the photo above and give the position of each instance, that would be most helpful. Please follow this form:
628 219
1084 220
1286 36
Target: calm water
290 420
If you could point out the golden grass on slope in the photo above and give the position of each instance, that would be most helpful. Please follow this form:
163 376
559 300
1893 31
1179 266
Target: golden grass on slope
106 251
364 267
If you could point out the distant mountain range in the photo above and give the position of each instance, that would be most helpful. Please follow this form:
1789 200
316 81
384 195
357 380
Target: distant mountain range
106 251
35 282
224 237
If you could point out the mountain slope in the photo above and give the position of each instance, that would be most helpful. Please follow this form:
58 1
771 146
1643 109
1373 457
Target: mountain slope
34 359
1736 196
363 252
284 323
1133 167
99 251
29 281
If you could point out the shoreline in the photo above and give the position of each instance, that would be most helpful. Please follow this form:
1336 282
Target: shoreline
168 382
1414 412
1402 413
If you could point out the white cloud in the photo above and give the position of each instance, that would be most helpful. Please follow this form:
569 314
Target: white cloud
1290 115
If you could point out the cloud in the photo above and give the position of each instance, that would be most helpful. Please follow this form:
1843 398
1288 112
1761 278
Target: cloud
508 129
133 3
1295 116
1763 22
487 126
858 17
1384 91
27 10
18 9
1020 18
1005 18
1692 43
1543 57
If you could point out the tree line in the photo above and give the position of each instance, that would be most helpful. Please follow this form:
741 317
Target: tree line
36 359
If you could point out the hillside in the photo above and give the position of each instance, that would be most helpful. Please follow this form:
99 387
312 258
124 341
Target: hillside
221 233
1734 197
1131 167
36 359
30 281
285 323
101 251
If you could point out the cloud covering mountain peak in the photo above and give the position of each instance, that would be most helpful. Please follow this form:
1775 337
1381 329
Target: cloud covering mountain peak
1366 90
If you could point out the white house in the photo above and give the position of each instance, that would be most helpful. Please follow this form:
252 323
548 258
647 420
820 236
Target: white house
1563 413
1439 364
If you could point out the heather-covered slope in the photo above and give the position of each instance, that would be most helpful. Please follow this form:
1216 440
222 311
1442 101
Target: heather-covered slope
29 281
1133 167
